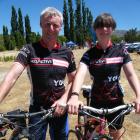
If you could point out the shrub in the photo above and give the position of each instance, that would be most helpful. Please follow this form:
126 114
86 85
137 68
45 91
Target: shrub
2 48
7 58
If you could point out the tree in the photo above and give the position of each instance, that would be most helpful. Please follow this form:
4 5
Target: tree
66 21
61 39
19 40
20 33
6 37
20 22
116 39
84 19
38 36
78 27
35 37
90 34
131 35
12 43
27 29
72 33
14 23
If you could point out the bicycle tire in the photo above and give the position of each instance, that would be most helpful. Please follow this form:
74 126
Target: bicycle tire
18 136
74 135
105 137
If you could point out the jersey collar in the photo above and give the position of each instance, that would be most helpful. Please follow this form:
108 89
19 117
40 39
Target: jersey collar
57 45
99 47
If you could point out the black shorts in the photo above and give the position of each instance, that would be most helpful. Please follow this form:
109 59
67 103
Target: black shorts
115 124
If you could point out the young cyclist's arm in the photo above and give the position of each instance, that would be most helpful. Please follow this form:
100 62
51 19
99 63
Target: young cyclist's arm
69 85
74 102
10 79
134 83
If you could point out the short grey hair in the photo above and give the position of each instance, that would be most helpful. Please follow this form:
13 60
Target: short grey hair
51 11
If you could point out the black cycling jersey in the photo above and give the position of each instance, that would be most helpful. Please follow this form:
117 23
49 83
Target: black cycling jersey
47 71
105 67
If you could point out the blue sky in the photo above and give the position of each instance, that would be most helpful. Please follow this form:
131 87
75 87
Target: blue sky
125 12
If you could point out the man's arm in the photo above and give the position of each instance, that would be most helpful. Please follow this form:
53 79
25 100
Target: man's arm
10 79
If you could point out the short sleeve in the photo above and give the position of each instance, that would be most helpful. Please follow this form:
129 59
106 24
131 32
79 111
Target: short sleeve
23 56
85 58
126 56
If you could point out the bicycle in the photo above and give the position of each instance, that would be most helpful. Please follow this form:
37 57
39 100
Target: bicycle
18 122
91 127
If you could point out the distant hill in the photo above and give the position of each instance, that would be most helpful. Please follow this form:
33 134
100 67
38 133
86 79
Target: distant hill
119 33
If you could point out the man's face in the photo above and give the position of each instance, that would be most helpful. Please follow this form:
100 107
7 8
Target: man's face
51 25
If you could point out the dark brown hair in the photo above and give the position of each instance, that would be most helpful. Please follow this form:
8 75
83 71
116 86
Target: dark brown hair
104 20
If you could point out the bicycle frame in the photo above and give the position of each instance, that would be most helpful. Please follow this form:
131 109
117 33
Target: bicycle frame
92 128
96 128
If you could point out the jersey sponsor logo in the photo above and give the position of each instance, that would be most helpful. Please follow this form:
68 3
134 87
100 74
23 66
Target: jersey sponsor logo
57 62
58 82
113 60
100 61
113 78
24 51
42 61
50 62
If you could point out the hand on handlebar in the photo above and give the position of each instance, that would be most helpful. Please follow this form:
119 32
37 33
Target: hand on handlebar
73 105
60 107
137 105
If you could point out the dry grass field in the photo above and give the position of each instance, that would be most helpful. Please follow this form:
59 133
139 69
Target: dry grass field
19 95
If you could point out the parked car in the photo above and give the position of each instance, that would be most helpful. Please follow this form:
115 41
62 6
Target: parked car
138 52
138 49
126 45
133 48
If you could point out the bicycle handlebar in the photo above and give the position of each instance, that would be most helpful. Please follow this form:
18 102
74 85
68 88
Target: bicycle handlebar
11 120
103 111
23 114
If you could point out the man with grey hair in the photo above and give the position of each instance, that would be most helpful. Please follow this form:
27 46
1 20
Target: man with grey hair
52 12
47 64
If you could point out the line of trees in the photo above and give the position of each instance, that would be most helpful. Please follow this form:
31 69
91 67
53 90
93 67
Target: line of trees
132 35
77 23
20 32
77 28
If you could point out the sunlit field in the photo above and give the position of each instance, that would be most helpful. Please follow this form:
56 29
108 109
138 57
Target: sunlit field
19 95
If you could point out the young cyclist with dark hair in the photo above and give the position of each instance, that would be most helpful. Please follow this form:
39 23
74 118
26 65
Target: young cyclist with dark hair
104 62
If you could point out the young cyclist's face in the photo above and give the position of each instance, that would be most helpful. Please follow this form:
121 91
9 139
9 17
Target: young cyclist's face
104 33
51 25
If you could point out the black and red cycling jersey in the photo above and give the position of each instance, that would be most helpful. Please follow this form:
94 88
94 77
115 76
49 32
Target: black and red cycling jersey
105 67
46 70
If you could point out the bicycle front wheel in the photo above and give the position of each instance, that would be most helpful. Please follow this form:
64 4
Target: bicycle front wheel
74 135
